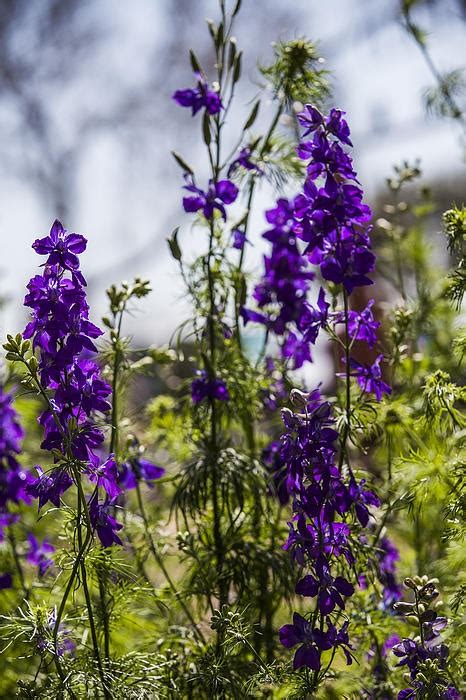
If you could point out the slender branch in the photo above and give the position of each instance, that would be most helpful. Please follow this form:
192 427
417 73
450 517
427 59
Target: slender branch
162 566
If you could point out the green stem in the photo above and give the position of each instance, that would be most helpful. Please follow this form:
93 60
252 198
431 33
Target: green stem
219 549
82 506
347 426
264 149
162 566
16 559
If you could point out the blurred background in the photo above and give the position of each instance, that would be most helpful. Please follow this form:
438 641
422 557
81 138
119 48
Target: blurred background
87 124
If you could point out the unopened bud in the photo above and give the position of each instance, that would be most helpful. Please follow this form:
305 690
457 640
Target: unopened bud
410 583
299 398
403 607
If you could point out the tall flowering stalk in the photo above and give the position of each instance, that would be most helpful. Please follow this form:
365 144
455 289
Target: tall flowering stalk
326 225
224 391
63 372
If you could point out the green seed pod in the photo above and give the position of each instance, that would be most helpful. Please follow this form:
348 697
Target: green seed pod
413 620
410 583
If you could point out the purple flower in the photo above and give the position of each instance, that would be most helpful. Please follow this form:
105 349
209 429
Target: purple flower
362 498
37 554
11 432
312 642
276 465
310 118
60 328
337 126
49 486
218 194
104 474
361 324
329 590
61 247
387 555
239 239
340 638
138 469
6 581
197 98
105 525
243 160
370 377
203 387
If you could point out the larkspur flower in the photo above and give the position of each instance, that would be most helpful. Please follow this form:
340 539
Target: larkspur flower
62 332
137 469
203 387
199 97
49 486
361 324
387 555
62 248
38 554
312 642
370 377
13 479
105 475
326 224
239 239
104 524
217 195
243 160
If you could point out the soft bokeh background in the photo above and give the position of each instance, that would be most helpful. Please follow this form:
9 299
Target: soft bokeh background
87 123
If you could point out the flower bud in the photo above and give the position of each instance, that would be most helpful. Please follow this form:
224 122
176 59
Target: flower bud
299 398
403 607
410 583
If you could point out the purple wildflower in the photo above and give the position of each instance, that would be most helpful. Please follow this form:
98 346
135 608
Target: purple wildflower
199 97
361 324
105 525
104 474
203 388
311 639
239 239
38 554
137 469
370 377
62 332
243 160
49 486
62 248
217 195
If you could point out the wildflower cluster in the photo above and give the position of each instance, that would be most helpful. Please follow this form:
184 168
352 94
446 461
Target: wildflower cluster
69 380
207 600
425 656
327 225
13 479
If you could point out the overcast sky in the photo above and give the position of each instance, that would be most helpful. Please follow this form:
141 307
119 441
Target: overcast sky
125 194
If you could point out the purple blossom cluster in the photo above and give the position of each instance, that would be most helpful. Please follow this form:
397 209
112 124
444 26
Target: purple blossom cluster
63 336
13 479
414 652
324 504
327 225
385 562
203 387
